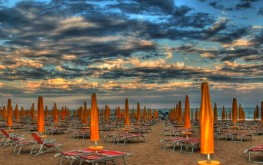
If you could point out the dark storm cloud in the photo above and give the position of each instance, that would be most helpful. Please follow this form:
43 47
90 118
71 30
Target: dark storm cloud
243 5
260 12
167 6
181 11
216 5
230 35
229 55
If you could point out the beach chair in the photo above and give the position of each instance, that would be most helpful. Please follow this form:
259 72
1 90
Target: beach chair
73 155
130 136
241 136
104 156
20 144
173 141
45 145
10 138
190 142
254 150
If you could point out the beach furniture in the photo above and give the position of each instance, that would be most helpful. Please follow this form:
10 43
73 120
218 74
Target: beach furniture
10 138
176 141
255 150
73 155
20 144
188 143
104 156
45 145
92 157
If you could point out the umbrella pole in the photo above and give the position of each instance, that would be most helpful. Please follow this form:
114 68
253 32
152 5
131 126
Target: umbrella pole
96 144
208 159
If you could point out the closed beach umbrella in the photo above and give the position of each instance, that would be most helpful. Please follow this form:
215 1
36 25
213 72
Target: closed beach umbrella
85 114
55 114
187 120
16 113
206 122
234 111
180 113
41 119
9 121
94 120
127 121
215 112
144 115
196 114
138 112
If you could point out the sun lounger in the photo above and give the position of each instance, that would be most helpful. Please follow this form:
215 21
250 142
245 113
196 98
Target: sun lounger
92 157
173 141
130 137
45 145
192 142
73 155
104 156
254 150
10 138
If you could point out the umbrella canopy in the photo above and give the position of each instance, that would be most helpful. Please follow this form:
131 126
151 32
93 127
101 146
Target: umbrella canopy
41 119
16 113
138 112
55 114
187 120
180 113
94 120
127 121
9 121
215 112
234 111
206 122
85 114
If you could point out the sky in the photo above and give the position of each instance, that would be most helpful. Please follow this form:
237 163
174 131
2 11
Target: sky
150 51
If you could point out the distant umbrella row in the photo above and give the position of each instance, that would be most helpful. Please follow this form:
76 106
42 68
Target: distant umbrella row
82 113
235 114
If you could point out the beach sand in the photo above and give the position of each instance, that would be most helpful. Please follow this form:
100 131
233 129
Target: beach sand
149 152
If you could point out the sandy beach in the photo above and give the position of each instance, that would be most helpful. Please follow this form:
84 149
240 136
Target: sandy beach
149 152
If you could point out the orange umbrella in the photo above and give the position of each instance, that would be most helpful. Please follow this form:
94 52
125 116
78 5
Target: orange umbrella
22 112
9 121
234 111
196 114
85 114
206 123
16 113
215 112
4 112
55 114
138 112
94 120
41 119
144 115
180 113
127 121
187 120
